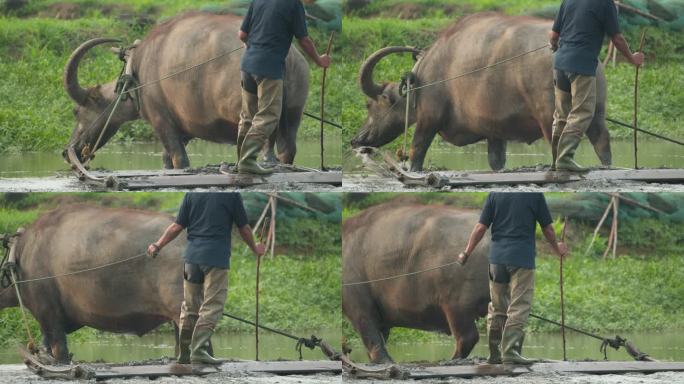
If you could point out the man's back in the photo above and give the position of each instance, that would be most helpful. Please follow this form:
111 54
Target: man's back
582 25
513 218
271 25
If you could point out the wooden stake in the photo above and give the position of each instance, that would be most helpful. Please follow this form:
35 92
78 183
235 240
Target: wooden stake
325 72
562 295
596 230
616 208
636 102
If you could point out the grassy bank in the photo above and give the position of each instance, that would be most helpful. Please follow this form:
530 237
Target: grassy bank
35 113
641 290
299 287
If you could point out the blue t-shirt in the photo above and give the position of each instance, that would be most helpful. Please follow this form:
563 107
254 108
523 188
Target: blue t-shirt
208 217
270 26
582 25
513 218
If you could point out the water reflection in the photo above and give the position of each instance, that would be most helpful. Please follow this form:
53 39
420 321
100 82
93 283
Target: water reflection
148 156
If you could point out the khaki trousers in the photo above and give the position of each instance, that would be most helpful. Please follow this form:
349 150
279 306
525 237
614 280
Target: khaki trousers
512 301
260 113
203 303
574 109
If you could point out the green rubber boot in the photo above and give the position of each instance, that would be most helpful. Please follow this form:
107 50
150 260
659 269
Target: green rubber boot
248 161
512 343
567 145
554 151
199 347
494 333
185 338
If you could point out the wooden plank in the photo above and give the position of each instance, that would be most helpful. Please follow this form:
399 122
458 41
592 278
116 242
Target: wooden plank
233 180
598 368
440 179
272 367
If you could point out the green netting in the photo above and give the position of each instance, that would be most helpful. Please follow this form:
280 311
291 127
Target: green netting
325 14
670 11
589 207
327 205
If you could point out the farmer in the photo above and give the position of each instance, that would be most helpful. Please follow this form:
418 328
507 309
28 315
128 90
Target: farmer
208 219
513 218
576 37
267 31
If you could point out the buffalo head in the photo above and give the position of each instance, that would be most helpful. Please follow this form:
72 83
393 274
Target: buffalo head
93 106
386 106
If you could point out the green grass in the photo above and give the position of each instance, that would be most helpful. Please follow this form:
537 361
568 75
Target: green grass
641 290
299 287
35 113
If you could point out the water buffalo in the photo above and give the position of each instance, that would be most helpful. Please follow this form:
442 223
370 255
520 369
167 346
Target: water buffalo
130 297
513 101
201 103
390 240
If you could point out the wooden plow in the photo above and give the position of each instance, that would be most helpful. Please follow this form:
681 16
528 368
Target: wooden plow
482 370
455 179
102 371
206 177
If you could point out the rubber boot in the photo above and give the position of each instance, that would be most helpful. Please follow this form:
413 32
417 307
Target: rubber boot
199 347
248 161
185 338
554 151
240 141
512 343
567 146
494 333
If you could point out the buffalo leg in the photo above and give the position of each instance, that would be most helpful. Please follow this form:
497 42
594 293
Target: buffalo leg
363 315
287 137
419 147
174 143
56 341
464 331
269 148
599 136
496 153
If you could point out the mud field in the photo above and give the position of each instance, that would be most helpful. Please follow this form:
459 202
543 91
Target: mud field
19 374
368 182
655 378
69 183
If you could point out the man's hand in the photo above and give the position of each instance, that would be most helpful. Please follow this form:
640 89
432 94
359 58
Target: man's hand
323 61
153 250
563 249
637 59
259 249
462 258
553 46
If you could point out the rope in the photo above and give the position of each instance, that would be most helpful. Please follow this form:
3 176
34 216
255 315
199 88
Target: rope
481 68
310 343
620 123
183 70
399 276
82 270
463 75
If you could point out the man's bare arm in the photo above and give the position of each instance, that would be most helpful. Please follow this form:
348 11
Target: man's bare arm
620 43
246 234
554 38
550 234
309 48
170 233
243 36
475 237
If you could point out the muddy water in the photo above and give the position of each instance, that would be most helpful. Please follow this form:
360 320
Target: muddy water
148 156
652 153
665 346
123 348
